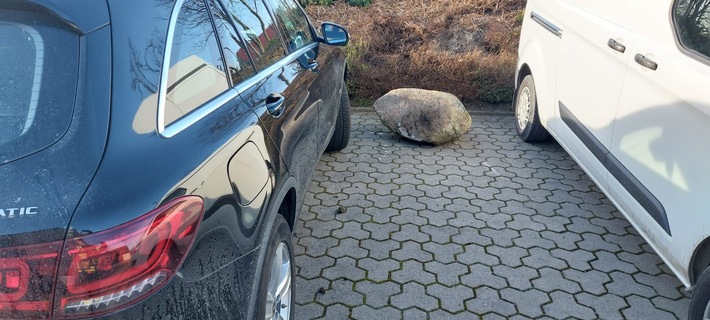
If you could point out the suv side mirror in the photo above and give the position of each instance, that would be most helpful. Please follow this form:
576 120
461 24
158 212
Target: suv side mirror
334 35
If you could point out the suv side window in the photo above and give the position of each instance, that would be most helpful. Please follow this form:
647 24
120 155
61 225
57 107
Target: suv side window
294 24
692 23
196 73
258 30
235 54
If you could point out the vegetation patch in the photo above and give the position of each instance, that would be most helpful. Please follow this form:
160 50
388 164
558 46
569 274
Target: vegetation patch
465 47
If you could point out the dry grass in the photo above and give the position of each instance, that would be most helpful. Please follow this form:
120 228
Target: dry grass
466 47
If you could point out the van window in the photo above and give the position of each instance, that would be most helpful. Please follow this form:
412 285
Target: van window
293 23
692 21
258 29
38 81
196 73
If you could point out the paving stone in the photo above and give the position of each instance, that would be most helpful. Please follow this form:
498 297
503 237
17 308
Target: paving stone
487 300
414 295
446 274
307 289
380 231
609 262
415 314
409 216
519 278
540 258
563 305
441 235
608 306
436 218
502 238
642 308
348 248
443 253
529 239
476 254
551 280
378 270
451 299
591 281
380 250
677 307
413 271
481 275
344 268
315 265
410 232
366 312
529 303
377 295
510 256
563 240
623 284
380 215
412 250
337 311
444 315
340 292
309 311
577 259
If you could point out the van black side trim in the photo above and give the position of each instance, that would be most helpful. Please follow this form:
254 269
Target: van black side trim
632 185
549 26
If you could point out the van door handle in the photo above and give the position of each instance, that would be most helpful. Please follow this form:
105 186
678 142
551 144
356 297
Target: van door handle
646 62
274 104
616 45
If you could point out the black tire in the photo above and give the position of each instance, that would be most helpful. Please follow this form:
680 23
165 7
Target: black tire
341 135
701 297
280 234
527 119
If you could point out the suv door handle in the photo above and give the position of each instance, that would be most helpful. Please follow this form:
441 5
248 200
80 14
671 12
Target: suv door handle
646 62
616 45
313 65
274 104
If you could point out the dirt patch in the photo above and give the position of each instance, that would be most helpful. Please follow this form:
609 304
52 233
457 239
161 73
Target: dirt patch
465 47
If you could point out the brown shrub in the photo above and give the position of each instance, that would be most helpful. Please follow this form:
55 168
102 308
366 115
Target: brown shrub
466 47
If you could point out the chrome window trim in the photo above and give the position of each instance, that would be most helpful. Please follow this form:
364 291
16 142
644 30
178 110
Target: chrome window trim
549 26
38 41
212 105
163 89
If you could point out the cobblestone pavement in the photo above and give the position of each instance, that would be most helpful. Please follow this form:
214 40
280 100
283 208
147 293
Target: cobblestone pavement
488 227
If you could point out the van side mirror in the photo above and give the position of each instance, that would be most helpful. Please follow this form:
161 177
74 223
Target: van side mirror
334 35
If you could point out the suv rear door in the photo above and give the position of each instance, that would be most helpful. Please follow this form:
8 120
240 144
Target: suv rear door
280 93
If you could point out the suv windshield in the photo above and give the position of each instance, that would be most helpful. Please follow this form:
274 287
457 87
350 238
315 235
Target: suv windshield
38 78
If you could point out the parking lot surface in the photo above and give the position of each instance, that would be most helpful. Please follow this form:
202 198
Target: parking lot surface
487 227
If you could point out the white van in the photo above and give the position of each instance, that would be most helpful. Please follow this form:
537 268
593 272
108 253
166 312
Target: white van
624 87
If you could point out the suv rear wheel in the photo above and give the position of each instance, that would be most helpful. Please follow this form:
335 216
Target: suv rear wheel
341 135
277 277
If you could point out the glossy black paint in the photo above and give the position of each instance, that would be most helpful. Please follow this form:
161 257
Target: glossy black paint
55 178
107 178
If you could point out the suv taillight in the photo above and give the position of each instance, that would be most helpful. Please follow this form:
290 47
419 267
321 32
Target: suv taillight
26 280
102 272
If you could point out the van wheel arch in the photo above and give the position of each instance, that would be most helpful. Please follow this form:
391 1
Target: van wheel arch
700 261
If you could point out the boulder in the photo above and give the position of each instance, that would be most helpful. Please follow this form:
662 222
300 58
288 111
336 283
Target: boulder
423 115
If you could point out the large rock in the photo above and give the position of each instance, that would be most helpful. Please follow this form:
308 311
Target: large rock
423 115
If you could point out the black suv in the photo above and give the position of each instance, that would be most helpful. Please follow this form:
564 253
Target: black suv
154 154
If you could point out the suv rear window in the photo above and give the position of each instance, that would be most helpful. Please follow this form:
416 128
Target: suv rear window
38 79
